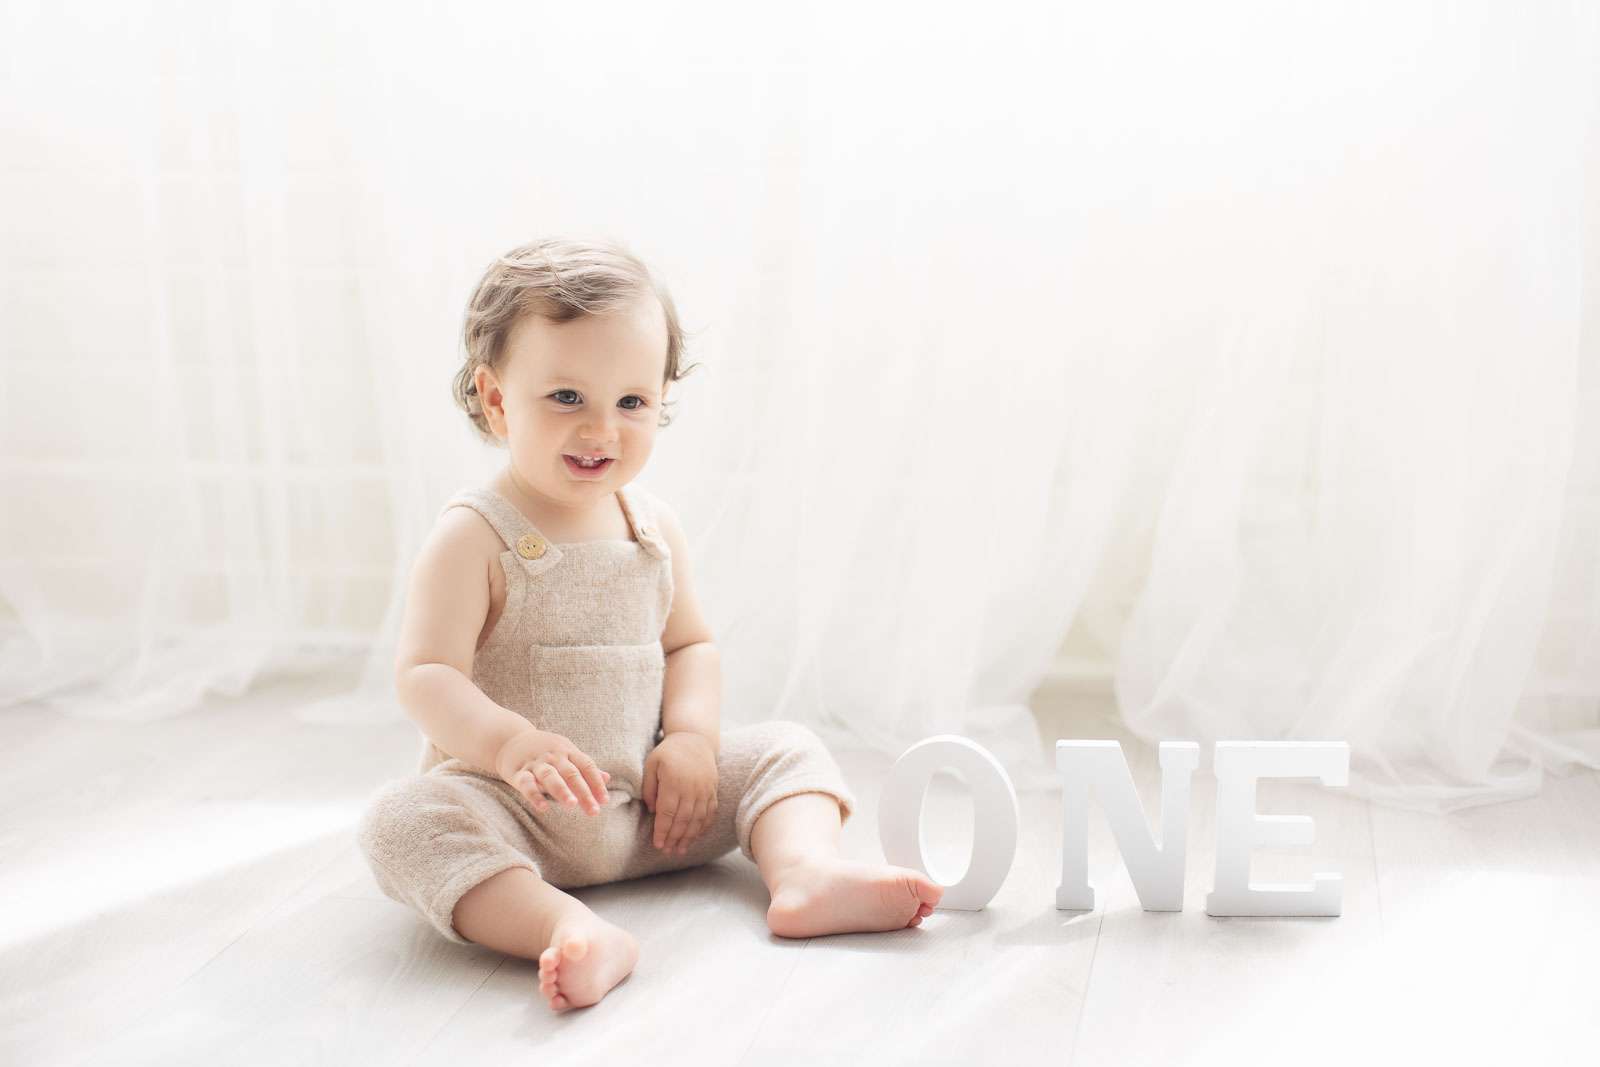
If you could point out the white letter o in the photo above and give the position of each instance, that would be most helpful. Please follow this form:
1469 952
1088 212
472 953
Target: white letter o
995 818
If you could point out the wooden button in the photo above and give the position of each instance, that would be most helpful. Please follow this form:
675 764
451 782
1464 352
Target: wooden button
530 547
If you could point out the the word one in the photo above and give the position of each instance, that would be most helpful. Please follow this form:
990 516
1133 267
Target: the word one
1155 869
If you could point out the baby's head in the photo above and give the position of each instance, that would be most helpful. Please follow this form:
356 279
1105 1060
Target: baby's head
571 347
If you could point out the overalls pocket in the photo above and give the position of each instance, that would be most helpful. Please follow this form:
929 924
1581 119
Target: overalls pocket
605 699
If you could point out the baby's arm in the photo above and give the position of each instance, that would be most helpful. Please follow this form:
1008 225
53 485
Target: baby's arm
446 605
691 697
680 776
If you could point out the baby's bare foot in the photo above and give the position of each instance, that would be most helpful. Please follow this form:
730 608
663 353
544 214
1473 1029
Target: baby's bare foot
586 958
838 896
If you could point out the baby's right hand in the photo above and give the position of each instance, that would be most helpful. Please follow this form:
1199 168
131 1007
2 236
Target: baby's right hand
536 762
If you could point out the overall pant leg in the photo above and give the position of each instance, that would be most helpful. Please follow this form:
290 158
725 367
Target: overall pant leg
430 838
758 766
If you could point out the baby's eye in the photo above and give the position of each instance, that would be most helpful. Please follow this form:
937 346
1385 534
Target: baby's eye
559 393
632 407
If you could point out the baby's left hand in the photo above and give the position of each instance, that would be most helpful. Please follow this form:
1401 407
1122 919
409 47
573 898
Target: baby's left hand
680 788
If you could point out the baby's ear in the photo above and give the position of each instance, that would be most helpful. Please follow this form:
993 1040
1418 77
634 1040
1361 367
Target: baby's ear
490 399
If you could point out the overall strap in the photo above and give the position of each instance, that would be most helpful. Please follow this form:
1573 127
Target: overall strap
638 506
522 539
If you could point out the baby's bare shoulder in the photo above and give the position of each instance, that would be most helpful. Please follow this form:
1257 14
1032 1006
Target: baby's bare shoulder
468 527
450 595
461 541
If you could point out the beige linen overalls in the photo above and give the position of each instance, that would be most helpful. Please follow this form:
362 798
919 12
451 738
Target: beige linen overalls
577 651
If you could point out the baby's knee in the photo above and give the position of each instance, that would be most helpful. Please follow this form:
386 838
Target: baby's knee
780 737
401 816
781 753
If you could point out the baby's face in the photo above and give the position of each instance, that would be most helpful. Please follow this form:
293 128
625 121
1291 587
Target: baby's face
589 387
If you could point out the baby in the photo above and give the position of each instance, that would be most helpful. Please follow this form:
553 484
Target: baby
555 656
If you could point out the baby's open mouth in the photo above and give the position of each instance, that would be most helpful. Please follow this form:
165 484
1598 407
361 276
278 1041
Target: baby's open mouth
586 466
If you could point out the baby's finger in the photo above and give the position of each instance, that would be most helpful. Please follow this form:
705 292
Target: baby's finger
663 825
691 825
679 825
550 780
528 785
701 819
680 830
593 776
578 786
667 801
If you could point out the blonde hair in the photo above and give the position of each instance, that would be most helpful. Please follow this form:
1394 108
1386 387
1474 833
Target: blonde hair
560 279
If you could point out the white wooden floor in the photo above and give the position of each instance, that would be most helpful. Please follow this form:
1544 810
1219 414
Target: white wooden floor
189 892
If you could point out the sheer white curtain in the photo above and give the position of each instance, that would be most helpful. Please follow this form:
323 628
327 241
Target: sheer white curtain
1258 340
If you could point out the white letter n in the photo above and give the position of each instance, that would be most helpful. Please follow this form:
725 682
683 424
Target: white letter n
1157 872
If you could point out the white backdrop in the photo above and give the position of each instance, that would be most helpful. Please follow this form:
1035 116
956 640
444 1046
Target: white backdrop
1256 345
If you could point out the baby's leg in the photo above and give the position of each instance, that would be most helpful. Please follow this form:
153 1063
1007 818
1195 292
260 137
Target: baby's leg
581 956
788 822
458 849
815 891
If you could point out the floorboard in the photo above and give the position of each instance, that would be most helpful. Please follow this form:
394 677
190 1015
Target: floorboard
189 891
